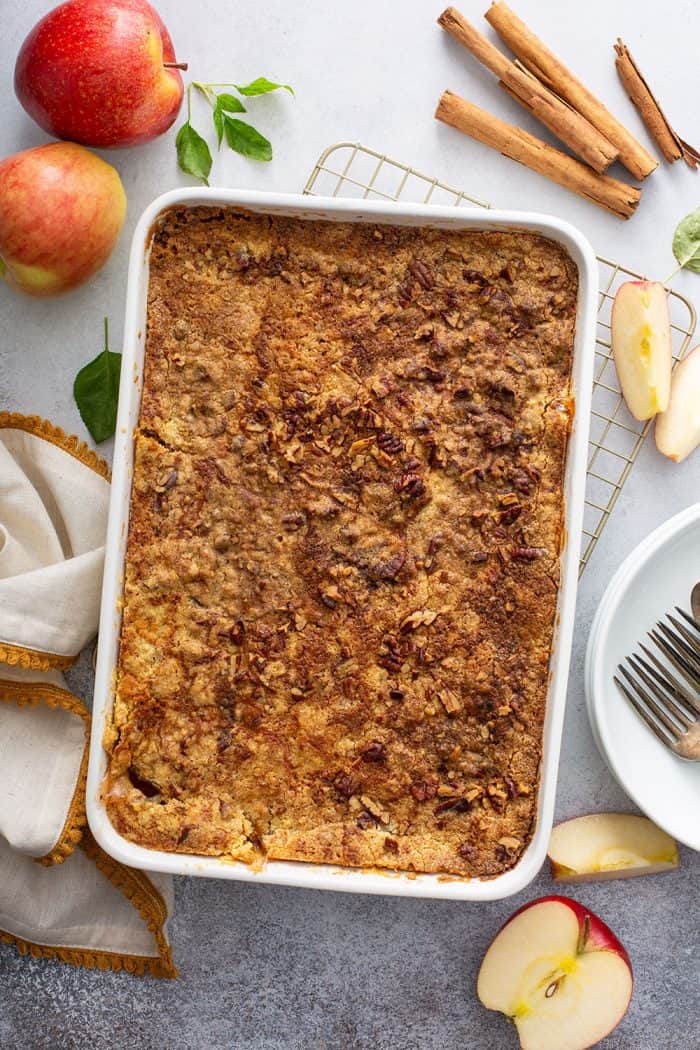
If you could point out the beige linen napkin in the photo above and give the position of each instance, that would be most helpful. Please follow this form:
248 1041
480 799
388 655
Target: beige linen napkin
78 905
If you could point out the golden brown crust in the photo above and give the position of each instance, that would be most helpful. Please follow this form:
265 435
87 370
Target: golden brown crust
342 565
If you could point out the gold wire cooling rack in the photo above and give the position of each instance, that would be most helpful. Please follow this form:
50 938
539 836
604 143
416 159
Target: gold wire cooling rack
351 170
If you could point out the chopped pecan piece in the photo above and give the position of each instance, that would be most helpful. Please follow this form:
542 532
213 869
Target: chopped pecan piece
360 446
424 374
345 784
412 484
424 331
293 521
452 805
389 569
419 618
390 443
450 701
510 514
528 553
423 790
391 845
330 596
374 752
377 811
167 481
422 274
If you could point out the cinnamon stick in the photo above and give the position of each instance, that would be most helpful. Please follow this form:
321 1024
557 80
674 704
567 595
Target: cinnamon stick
615 196
578 133
547 68
671 145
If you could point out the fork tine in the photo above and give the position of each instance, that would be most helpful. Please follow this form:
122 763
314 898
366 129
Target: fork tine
649 700
668 701
690 619
680 645
670 680
676 659
685 633
643 714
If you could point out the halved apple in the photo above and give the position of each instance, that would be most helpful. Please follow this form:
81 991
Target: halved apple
609 846
677 430
641 345
559 974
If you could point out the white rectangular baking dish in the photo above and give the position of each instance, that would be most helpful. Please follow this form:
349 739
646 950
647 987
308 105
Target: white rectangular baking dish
319 876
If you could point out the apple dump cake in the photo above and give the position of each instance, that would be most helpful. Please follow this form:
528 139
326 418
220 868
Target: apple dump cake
343 553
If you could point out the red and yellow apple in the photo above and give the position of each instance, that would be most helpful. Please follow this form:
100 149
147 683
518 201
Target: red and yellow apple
641 346
559 973
677 431
61 210
609 846
100 72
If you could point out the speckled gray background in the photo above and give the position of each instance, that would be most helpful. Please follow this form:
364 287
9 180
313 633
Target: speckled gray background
265 968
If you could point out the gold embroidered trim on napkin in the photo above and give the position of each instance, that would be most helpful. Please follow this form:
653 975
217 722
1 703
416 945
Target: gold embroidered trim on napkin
32 659
23 693
56 436
137 888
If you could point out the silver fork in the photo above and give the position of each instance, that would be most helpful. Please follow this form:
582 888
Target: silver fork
668 704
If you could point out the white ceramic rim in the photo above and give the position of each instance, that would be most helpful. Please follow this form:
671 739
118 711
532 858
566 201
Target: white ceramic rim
302 874
603 622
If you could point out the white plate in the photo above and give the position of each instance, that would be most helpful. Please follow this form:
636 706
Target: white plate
656 576
317 875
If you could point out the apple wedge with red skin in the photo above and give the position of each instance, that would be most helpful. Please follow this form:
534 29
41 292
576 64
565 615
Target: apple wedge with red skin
677 431
559 973
641 345
94 72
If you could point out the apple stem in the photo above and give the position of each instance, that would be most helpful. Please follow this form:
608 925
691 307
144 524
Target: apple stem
175 65
584 935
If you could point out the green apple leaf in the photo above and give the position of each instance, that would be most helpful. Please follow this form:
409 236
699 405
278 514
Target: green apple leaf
244 139
96 392
193 154
686 242
261 86
218 117
229 103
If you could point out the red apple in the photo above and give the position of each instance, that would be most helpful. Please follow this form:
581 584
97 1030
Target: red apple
94 71
559 973
61 210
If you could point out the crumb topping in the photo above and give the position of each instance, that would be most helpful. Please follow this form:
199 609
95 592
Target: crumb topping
343 554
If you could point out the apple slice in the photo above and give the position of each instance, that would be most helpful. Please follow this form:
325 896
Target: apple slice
677 430
641 345
559 974
609 846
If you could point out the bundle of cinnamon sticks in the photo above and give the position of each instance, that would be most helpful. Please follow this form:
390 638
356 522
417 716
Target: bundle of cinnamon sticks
544 86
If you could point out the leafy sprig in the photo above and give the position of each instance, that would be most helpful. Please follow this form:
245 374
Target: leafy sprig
96 391
193 153
686 243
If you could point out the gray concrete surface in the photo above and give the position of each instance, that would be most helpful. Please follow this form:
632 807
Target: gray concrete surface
281 969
